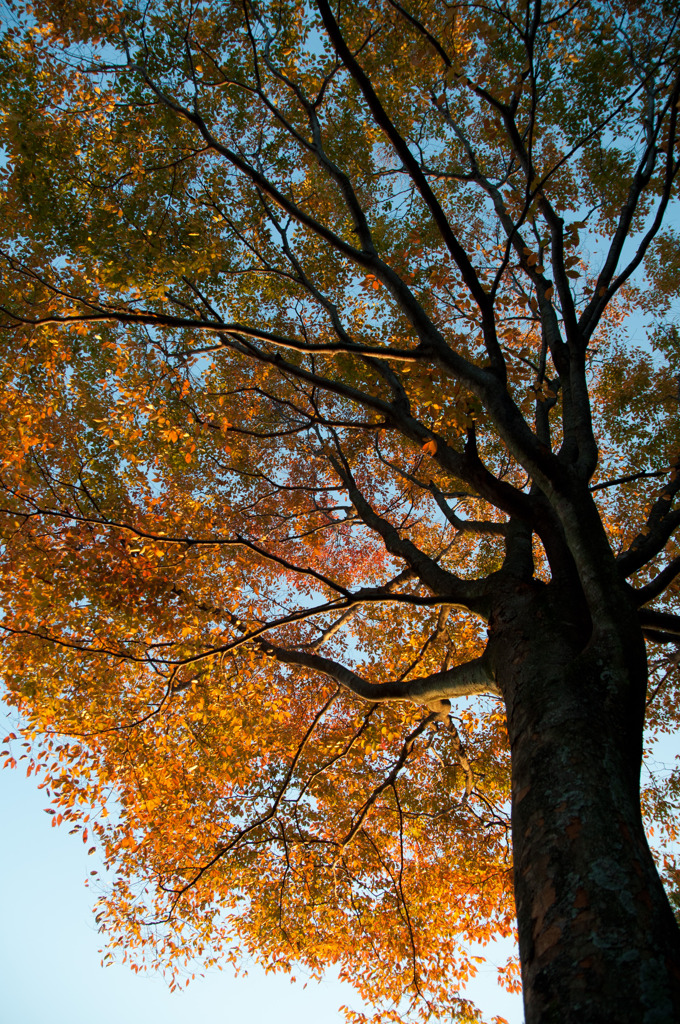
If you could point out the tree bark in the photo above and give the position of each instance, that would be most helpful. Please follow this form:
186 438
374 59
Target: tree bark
598 939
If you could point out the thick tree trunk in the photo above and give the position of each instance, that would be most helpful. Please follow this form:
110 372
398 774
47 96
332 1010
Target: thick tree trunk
598 940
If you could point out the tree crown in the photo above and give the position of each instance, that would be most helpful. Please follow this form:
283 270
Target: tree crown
314 357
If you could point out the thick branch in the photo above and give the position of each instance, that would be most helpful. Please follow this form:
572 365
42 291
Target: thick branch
420 181
659 622
472 677
470 593
647 546
660 583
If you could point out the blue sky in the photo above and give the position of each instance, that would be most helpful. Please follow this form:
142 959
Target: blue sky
49 961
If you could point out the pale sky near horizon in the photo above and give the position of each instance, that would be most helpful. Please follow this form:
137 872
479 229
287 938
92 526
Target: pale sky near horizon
49 961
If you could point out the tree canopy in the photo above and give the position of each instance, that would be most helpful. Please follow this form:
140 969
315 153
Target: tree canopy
315 384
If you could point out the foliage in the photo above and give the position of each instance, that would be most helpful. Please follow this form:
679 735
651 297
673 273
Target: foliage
305 321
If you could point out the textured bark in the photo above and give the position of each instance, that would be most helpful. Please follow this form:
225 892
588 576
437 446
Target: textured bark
598 940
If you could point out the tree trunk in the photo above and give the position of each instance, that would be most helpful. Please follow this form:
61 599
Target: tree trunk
598 939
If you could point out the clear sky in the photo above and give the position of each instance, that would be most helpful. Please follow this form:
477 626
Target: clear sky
49 964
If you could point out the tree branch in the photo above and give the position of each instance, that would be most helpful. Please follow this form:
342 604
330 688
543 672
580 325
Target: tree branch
660 582
472 677
420 181
660 622
472 594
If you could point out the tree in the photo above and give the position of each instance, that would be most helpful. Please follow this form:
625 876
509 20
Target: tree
319 418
